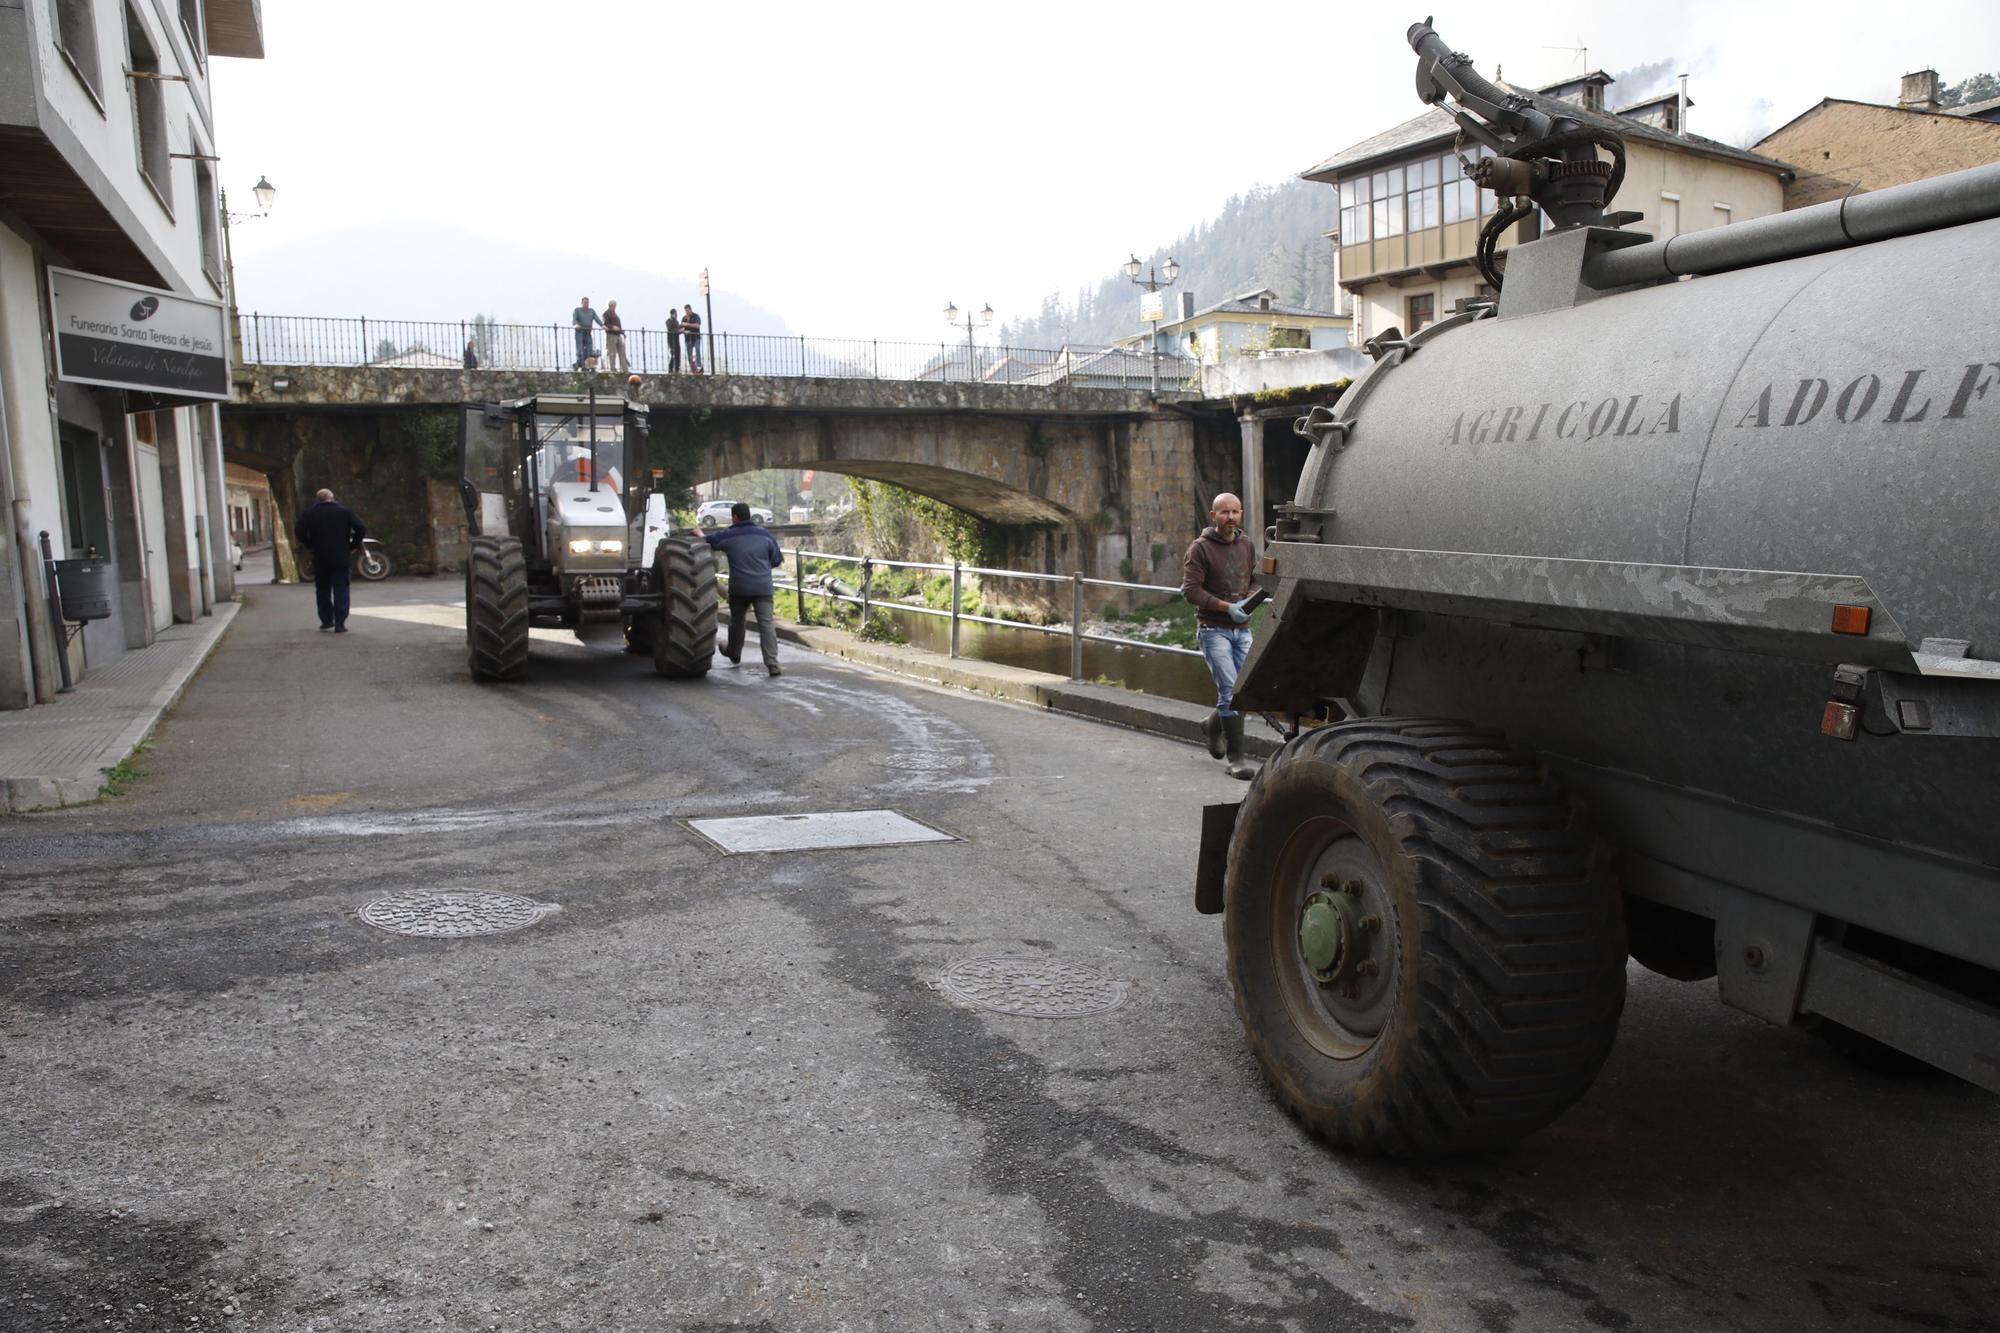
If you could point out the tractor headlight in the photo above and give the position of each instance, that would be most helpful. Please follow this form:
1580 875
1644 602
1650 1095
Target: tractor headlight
610 548
581 546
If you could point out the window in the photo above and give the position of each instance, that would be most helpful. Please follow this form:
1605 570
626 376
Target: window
1420 309
206 215
76 36
1290 337
1354 210
1724 215
1670 215
192 26
149 110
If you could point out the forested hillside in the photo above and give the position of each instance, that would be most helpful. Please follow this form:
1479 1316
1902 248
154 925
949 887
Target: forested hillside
1269 237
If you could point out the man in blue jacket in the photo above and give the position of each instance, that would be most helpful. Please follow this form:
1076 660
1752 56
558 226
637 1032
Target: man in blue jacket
752 553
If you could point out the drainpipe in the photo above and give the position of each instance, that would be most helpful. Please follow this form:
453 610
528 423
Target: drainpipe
28 559
1681 110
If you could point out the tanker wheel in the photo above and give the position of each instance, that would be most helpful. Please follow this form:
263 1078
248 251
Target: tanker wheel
1424 938
496 609
684 572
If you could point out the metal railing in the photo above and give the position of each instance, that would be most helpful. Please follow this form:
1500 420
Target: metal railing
305 340
798 583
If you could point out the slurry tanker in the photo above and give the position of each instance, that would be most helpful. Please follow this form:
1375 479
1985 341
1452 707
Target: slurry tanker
1649 610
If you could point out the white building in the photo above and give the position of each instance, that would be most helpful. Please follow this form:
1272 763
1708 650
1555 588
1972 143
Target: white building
114 345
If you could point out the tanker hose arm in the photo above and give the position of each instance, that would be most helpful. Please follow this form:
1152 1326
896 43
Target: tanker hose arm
1501 120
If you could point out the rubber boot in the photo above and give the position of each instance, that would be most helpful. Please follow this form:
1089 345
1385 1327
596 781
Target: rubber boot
1211 730
1232 731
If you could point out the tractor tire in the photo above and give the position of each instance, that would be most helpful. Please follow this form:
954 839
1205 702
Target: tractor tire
496 609
1424 938
684 572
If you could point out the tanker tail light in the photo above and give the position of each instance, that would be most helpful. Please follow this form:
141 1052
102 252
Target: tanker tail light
1850 619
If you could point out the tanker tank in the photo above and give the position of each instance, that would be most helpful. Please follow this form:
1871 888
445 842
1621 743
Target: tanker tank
1650 609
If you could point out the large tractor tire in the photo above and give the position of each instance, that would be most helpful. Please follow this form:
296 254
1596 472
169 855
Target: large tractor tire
684 572
496 609
1424 938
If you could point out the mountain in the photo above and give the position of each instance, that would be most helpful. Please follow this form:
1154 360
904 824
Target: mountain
1268 237
427 271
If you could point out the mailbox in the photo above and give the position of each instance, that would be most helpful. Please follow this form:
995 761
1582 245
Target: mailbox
87 587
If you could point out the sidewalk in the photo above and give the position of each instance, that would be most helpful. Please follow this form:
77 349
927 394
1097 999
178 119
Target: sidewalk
56 754
1172 718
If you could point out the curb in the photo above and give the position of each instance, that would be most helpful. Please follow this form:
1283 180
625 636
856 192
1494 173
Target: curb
1174 719
41 793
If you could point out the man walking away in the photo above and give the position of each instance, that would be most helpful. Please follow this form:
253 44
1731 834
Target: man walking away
1216 577
614 340
673 342
691 327
582 318
330 531
752 553
472 354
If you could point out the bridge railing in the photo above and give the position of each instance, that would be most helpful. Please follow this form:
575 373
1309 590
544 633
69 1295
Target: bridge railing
308 340
802 585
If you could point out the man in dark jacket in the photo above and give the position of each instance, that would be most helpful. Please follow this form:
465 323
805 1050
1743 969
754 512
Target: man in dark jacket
1216 577
752 553
330 531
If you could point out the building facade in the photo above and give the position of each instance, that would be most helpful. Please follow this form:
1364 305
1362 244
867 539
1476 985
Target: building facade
113 333
1247 324
1410 219
1842 146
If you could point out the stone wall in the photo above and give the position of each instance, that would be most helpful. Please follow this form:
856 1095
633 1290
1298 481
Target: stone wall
1838 145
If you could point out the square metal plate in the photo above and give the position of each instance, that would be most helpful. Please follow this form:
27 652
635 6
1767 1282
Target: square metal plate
810 833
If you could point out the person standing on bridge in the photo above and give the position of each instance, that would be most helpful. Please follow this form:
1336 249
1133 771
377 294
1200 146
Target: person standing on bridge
582 318
673 342
752 553
691 328
331 532
614 340
1216 577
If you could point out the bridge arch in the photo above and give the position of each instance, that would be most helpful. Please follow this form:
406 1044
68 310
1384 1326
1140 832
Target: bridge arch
1007 471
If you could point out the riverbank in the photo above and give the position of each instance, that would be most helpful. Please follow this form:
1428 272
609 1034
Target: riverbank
1173 718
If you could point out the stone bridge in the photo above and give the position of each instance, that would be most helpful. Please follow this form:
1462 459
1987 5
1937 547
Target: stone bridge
1108 481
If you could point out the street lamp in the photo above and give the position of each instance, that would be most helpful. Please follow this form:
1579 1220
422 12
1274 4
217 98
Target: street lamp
266 194
1153 282
971 347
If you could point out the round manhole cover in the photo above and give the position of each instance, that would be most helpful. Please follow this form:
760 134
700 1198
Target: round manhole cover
1033 987
450 915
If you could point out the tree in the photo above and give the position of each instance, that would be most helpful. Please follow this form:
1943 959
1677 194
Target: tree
1975 89
385 350
485 338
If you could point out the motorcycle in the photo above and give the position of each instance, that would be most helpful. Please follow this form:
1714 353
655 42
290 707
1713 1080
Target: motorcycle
371 562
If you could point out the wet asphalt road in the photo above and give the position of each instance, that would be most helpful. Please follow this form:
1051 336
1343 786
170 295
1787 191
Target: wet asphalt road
730 1092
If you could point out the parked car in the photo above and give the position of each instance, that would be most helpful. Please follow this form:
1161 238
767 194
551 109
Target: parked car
715 513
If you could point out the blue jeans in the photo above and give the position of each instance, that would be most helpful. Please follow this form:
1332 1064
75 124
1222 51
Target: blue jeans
330 586
583 348
1225 650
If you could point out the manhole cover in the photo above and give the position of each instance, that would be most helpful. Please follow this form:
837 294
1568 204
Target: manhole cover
449 915
1033 987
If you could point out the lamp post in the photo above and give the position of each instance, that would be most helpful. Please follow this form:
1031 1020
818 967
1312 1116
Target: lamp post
265 194
971 347
1153 282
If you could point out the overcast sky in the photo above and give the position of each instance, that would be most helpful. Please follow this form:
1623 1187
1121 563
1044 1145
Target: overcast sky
855 166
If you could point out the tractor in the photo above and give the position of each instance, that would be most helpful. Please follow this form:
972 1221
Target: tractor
564 536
